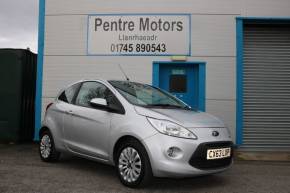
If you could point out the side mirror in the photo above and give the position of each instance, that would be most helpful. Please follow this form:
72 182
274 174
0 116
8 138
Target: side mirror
99 102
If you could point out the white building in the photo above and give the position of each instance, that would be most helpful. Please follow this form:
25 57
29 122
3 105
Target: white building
233 57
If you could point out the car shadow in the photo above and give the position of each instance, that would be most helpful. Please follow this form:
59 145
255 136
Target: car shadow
83 164
105 175
194 183
162 184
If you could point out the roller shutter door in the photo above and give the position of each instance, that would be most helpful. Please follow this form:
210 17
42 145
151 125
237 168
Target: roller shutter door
266 87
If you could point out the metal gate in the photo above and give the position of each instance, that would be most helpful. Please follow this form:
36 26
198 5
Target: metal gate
266 91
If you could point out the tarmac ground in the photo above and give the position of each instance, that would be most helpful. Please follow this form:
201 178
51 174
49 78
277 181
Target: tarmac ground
22 171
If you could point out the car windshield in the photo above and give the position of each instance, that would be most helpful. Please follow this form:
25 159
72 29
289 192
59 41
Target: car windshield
146 95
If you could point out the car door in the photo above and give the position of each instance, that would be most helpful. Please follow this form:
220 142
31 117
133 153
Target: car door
88 131
64 107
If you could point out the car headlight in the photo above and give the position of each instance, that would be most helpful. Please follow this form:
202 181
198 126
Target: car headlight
170 128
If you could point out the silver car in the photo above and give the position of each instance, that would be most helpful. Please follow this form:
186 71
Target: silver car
142 130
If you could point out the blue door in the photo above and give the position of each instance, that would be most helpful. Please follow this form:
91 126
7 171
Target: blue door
180 80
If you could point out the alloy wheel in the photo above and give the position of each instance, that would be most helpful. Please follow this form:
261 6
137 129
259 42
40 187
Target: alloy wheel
45 146
130 164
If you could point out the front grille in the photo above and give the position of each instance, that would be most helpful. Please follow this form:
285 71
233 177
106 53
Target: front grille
198 159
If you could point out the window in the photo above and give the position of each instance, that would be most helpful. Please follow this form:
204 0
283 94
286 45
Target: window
90 90
146 95
69 93
177 83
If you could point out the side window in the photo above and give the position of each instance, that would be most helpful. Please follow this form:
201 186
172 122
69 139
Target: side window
69 93
90 90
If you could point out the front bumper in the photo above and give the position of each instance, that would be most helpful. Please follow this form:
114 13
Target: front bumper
192 162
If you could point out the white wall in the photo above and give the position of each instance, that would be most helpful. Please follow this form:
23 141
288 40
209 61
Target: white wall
213 41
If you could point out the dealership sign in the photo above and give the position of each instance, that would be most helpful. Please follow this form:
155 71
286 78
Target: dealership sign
138 34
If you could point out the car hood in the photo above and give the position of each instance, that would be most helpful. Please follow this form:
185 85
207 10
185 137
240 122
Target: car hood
185 118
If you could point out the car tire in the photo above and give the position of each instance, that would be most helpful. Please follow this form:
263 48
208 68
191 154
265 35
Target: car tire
139 165
47 150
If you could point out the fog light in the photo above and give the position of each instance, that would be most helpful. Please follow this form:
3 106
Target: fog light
174 152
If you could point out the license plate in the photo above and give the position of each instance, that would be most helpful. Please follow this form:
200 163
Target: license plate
218 153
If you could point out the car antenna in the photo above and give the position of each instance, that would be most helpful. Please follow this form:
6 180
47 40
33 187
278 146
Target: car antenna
123 72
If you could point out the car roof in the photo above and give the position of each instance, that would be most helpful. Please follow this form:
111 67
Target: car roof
86 80
80 81
99 80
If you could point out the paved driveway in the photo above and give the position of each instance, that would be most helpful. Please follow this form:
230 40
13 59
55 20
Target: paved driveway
22 171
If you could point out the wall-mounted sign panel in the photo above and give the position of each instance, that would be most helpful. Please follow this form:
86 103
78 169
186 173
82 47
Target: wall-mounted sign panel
139 34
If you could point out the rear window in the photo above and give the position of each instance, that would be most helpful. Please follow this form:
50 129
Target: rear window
68 94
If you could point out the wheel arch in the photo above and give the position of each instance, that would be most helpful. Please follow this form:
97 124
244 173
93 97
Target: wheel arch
44 128
123 139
